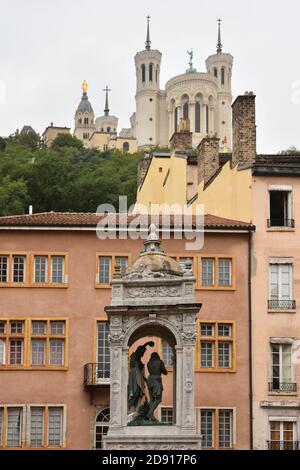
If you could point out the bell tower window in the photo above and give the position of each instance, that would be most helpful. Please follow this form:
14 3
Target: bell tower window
150 72
197 117
223 76
216 72
143 73
186 110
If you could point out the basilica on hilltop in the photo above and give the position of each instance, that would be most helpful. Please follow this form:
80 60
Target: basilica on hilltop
199 101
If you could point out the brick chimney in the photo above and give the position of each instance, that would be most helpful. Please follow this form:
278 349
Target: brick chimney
208 158
243 129
181 141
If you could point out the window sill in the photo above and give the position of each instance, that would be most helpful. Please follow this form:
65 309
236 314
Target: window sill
221 289
282 394
282 310
102 286
34 286
281 229
38 368
215 371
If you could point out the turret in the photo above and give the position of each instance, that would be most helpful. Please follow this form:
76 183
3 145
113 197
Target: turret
107 123
219 65
147 64
84 118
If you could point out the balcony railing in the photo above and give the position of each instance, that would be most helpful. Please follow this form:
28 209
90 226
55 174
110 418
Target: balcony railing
96 375
283 445
284 387
282 304
281 222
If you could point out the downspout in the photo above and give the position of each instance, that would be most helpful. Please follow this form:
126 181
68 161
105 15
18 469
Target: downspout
250 336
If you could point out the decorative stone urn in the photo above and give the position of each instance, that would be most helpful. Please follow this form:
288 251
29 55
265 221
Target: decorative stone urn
155 297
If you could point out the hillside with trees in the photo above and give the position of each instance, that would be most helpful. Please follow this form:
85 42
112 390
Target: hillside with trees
65 177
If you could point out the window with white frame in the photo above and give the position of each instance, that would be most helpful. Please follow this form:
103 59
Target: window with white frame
40 269
19 268
45 424
14 426
57 269
103 352
101 427
55 426
3 268
225 429
1 426
167 353
281 283
207 428
282 368
166 415
37 426
107 266
208 275
216 345
216 428
280 201
2 352
283 434
216 272
224 272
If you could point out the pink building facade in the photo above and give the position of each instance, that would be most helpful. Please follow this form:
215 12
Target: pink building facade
54 352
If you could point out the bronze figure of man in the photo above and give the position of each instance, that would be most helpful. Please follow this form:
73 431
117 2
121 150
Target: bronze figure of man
136 382
156 367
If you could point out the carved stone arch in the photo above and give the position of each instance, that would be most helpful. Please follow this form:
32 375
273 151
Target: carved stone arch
145 321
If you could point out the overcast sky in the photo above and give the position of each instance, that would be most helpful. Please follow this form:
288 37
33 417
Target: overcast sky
48 47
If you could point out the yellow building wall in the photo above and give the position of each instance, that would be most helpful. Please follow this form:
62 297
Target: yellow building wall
99 140
119 141
229 195
171 171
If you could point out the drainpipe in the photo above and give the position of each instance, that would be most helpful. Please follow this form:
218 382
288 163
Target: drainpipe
250 336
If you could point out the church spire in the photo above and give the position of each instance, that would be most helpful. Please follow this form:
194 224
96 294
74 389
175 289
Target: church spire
219 45
106 109
148 42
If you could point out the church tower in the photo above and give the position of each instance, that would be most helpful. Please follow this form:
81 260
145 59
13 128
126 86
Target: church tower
149 97
84 118
219 66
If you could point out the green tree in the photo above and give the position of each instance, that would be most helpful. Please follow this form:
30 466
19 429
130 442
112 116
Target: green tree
292 150
2 144
66 140
14 197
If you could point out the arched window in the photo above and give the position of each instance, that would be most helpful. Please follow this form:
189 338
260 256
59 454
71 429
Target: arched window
223 76
186 110
101 427
125 147
108 129
175 119
143 73
207 119
197 117
150 72
216 72
79 121
86 120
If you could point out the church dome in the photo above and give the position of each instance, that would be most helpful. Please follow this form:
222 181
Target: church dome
153 262
84 105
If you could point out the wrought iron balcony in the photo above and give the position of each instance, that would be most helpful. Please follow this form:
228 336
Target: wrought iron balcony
96 375
281 222
282 304
283 445
283 387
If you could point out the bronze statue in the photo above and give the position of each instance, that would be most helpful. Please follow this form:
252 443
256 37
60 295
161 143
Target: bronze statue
136 382
156 367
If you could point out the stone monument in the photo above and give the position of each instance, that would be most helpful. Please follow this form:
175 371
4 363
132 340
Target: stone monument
154 298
